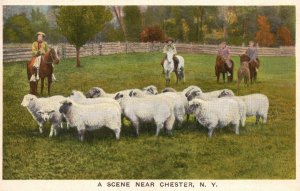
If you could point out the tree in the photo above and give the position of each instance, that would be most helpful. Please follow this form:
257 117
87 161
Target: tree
264 36
39 21
284 36
151 34
228 16
81 23
18 29
133 22
199 13
118 14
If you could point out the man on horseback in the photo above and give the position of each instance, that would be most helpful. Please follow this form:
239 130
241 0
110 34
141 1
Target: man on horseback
251 52
225 55
39 48
170 46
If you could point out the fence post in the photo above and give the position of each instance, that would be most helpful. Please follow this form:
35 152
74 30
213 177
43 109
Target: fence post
63 51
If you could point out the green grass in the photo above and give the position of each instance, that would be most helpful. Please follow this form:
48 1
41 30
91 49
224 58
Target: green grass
259 152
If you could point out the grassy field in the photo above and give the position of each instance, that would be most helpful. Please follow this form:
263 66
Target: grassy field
259 152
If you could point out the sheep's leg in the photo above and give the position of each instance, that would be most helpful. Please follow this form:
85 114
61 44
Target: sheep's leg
51 131
136 125
159 126
117 133
41 128
236 127
210 132
264 119
187 117
257 119
81 134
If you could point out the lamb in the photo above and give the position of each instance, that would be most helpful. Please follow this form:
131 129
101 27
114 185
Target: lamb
43 109
243 72
91 117
175 99
210 115
256 105
147 109
151 90
207 95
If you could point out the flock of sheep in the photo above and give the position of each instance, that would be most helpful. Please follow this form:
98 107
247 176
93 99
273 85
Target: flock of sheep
97 109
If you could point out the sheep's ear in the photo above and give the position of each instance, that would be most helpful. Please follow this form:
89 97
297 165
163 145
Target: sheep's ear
117 96
97 91
39 112
130 93
69 103
134 93
52 111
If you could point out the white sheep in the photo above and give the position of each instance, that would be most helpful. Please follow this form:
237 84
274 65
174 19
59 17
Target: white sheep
256 105
43 109
148 109
216 113
91 117
174 98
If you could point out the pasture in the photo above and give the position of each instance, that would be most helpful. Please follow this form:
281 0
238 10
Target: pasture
259 152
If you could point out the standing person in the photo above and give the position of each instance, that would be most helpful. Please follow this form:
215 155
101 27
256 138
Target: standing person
251 52
39 48
167 47
224 53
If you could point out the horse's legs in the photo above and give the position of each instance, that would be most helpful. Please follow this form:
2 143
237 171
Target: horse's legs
177 76
224 77
36 87
251 75
42 85
49 83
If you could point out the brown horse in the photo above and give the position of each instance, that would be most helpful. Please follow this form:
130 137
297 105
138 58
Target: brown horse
252 66
46 70
221 67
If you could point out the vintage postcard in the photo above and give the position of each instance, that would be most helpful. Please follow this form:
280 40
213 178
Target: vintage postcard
149 95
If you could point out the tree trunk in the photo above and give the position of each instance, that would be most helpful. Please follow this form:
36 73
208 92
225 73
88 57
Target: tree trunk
117 10
77 57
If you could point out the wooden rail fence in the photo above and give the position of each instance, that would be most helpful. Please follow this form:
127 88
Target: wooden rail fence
22 52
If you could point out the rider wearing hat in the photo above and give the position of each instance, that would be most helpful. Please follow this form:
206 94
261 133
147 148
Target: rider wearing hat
39 48
171 46
224 53
252 53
